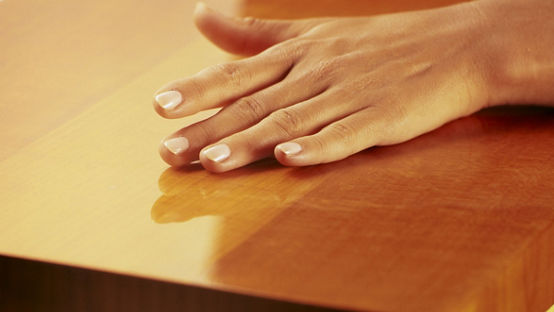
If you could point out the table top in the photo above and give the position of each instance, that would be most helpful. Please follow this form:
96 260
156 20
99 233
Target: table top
459 219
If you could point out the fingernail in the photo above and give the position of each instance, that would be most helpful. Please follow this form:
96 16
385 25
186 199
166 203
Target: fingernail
290 148
177 145
169 99
218 153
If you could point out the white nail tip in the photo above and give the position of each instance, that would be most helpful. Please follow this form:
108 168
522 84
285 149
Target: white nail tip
218 153
177 145
290 148
169 99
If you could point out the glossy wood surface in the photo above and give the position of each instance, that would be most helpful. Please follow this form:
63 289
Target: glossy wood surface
460 219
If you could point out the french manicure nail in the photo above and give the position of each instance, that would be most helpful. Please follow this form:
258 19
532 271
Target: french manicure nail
218 153
169 99
177 145
290 148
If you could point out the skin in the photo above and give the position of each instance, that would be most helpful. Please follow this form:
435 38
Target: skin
336 86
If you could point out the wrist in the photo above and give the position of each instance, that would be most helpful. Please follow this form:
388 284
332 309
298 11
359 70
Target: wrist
520 59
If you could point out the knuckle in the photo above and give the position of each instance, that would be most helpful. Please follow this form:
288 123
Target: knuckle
319 143
249 108
342 131
195 88
286 50
343 92
288 121
395 113
367 82
231 72
315 29
392 121
295 44
325 70
229 69
202 132
297 47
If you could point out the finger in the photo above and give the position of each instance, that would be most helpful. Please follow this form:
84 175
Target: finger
247 36
258 142
183 147
221 84
336 141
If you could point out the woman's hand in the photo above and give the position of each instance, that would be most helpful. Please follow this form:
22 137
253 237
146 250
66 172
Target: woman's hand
319 90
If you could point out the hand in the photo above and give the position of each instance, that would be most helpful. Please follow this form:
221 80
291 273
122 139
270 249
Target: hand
319 90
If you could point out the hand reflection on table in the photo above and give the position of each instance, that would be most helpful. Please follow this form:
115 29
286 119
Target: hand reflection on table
193 192
246 199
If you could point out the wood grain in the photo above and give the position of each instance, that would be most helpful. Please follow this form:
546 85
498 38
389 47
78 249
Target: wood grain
461 219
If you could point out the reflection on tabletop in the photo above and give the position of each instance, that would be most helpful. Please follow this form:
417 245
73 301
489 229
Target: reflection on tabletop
355 223
192 192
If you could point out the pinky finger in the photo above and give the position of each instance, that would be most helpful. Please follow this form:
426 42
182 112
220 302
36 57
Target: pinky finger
336 141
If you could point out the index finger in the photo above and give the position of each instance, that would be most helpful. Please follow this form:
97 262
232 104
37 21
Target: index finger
221 84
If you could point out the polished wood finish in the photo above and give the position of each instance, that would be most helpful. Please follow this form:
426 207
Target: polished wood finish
460 219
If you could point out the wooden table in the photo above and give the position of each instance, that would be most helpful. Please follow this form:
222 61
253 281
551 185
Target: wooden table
460 219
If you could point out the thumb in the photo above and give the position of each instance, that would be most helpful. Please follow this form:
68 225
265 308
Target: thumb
246 36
